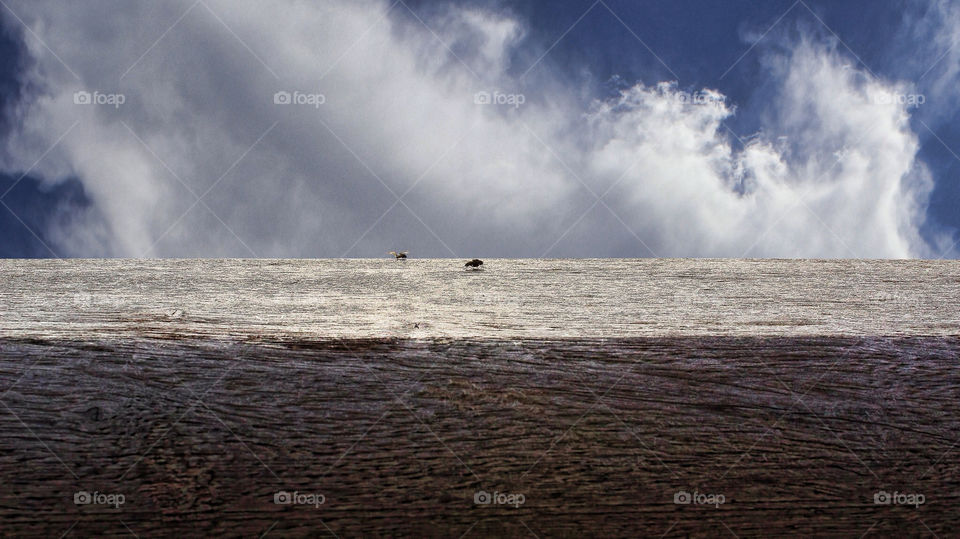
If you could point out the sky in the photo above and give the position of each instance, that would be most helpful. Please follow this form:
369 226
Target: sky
487 128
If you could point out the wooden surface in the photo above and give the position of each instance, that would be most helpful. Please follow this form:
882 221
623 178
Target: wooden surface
797 434
597 390
310 299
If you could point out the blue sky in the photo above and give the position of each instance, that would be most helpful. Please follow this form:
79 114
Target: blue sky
397 80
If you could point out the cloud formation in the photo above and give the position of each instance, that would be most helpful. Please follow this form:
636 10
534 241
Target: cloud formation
404 113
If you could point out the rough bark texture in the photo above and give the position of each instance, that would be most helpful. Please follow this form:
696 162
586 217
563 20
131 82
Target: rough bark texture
797 434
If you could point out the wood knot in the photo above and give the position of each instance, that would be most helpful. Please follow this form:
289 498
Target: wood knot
93 414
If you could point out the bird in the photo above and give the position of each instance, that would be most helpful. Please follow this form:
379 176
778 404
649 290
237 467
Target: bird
475 263
400 255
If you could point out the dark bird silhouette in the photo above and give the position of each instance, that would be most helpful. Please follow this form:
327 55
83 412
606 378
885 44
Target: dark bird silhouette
475 263
398 256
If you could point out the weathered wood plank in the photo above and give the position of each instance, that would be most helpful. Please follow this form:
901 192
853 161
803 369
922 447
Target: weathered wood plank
422 299
797 433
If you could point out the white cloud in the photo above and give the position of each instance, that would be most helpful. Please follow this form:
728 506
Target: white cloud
402 103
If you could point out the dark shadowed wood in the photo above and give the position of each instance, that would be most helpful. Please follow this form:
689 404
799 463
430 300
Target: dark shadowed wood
797 433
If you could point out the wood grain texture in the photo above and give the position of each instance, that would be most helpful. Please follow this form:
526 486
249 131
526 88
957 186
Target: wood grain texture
797 433
424 299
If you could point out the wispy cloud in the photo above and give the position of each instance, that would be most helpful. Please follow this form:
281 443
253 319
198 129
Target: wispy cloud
371 101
